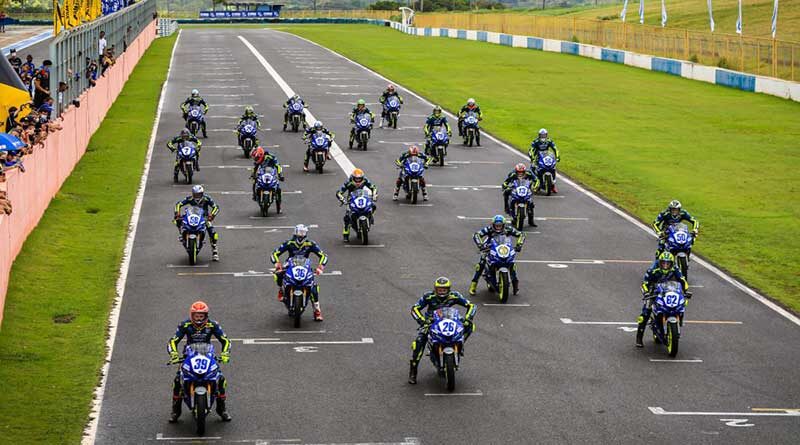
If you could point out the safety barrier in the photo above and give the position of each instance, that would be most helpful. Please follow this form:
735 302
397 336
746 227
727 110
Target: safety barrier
690 70
166 27
753 55
47 168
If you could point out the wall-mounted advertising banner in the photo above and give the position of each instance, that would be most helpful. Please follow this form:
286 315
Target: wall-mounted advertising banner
238 14
71 13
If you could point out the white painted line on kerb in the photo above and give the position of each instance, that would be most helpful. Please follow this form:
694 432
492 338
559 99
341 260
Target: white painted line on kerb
160 436
90 432
710 267
666 360
657 410
453 394
336 152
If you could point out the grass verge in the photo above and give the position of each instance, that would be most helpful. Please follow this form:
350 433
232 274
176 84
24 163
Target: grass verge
640 138
62 285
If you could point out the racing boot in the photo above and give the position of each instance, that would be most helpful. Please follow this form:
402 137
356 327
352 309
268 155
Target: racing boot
317 312
223 413
412 373
280 294
176 409
381 124
196 163
515 286
346 234
424 194
175 174
555 190
396 194
205 135
473 287
305 166
214 252
640 332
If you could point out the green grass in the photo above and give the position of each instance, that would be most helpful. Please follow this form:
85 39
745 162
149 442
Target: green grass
639 138
67 270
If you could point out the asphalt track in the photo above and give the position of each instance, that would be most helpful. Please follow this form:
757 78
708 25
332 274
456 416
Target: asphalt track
531 373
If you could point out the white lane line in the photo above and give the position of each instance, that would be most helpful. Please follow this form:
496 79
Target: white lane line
619 323
180 266
338 155
489 186
160 436
251 227
415 205
334 78
249 192
248 274
225 80
338 86
368 103
665 360
323 331
508 304
233 105
597 262
474 162
657 410
538 218
216 74
230 95
259 341
361 246
268 217
346 94
453 394
90 432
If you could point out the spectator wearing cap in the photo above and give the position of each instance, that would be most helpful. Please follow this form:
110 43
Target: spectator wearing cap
14 60
41 84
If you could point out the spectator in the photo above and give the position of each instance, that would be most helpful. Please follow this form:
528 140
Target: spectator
46 109
91 72
11 120
62 87
126 38
13 159
101 44
108 60
15 61
42 84
29 65
2 21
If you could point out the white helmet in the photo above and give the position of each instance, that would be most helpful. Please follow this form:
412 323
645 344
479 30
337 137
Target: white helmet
470 101
300 231
195 92
318 125
197 191
543 132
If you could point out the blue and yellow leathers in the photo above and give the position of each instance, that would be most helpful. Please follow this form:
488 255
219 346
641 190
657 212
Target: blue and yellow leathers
176 142
247 117
653 276
431 301
348 187
270 160
463 112
513 176
195 101
210 208
665 219
293 247
483 236
201 334
434 121
540 144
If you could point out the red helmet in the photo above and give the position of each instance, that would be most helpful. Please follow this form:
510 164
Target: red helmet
258 155
413 150
198 307
520 168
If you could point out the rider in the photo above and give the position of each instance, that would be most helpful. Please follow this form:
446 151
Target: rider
437 118
665 270
249 115
263 158
198 328
299 244
295 98
482 237
185 136
195 100
441 297
356 181
471 106
673 214
543 143
389 92
310 132
520 172
412 151
199 199
360 108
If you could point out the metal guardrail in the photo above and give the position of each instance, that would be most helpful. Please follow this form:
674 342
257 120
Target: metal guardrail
166 27
70 49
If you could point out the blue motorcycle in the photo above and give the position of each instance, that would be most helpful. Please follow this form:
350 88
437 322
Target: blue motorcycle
297 283
545 170
679 243
320 145
445 341
266 188
666 319
471 130
500 256
361 131
411 177
391 110
296 116
521 203
247 136
360 208
185 157
437 145
200 374
193 232
194 119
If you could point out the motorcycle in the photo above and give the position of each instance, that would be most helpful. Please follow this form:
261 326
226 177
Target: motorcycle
199 375
545 170
521 203
445 341
296 116
679 243
185 155
392 109
666 319
320 145
412 171
499 263
297 283
194 119
193 232
360 207
361 131
472 132
437 143
247 137
266 187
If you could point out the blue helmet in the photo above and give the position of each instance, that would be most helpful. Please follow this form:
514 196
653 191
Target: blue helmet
498 222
